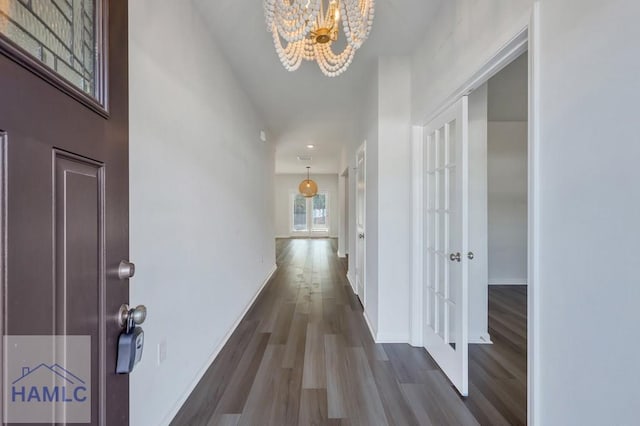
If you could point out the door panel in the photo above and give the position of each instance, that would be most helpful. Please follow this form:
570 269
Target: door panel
445 226
79 287
66 214
360 223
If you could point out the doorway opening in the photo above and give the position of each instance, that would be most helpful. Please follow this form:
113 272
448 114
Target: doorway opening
498 220
451 245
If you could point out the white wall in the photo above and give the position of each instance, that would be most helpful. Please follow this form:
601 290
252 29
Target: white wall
507 178
589 205
367 134
385 126
463 37
287 184
394 197
198 172
370 135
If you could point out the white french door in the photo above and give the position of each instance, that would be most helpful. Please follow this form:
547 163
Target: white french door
446 242
310 216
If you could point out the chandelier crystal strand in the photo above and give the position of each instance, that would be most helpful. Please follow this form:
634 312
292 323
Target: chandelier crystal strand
358 19
331 64
309 28
294 19
292 55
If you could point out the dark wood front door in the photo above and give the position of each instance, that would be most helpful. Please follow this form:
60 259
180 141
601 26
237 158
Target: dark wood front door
64 217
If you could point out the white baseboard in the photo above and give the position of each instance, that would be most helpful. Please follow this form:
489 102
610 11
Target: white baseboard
514 281
392 338
352 283
371 329
384 337
484 339
169 417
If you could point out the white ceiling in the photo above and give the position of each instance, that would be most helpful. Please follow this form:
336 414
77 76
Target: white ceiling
304 106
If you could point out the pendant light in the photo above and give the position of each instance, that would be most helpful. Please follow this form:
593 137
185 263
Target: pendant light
308 188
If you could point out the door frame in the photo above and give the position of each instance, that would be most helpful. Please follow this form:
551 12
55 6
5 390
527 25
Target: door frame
3 251
526 38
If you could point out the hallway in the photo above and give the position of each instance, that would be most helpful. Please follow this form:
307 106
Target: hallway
303 355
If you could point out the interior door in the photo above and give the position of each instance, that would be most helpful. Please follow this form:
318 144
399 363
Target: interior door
360 222
63 208
446 240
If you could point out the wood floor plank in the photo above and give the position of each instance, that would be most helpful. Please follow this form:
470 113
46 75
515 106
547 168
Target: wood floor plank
454 409
282 326
235 396
421 404
258 408
396 407
314 375
339 387
296 341
225 420
313 408
316 309
370 409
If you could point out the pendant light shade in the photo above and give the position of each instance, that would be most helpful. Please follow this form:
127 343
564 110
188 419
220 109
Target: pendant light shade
307 187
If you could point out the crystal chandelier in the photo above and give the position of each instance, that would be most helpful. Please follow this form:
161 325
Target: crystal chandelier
309 29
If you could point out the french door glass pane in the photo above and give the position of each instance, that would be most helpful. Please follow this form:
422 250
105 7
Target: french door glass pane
299 213
61 34
320 219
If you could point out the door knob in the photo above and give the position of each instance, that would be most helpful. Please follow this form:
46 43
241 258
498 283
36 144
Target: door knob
361 235
126 270
138 314
455 257
470 255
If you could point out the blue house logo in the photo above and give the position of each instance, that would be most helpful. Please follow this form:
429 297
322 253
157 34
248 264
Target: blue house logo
48 380
48 383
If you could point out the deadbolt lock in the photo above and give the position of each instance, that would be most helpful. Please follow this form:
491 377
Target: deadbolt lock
126 270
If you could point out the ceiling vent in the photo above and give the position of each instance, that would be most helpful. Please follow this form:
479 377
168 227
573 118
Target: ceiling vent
304 158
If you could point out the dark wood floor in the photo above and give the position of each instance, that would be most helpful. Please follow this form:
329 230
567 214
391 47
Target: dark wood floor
304 356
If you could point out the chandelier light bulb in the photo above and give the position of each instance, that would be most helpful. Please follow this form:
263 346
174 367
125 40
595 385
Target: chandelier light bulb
306 30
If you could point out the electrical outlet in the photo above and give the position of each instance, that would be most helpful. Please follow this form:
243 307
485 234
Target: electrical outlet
162 351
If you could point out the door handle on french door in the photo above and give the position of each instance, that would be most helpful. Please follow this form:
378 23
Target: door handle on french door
455 257
361 235
126 270
470 255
